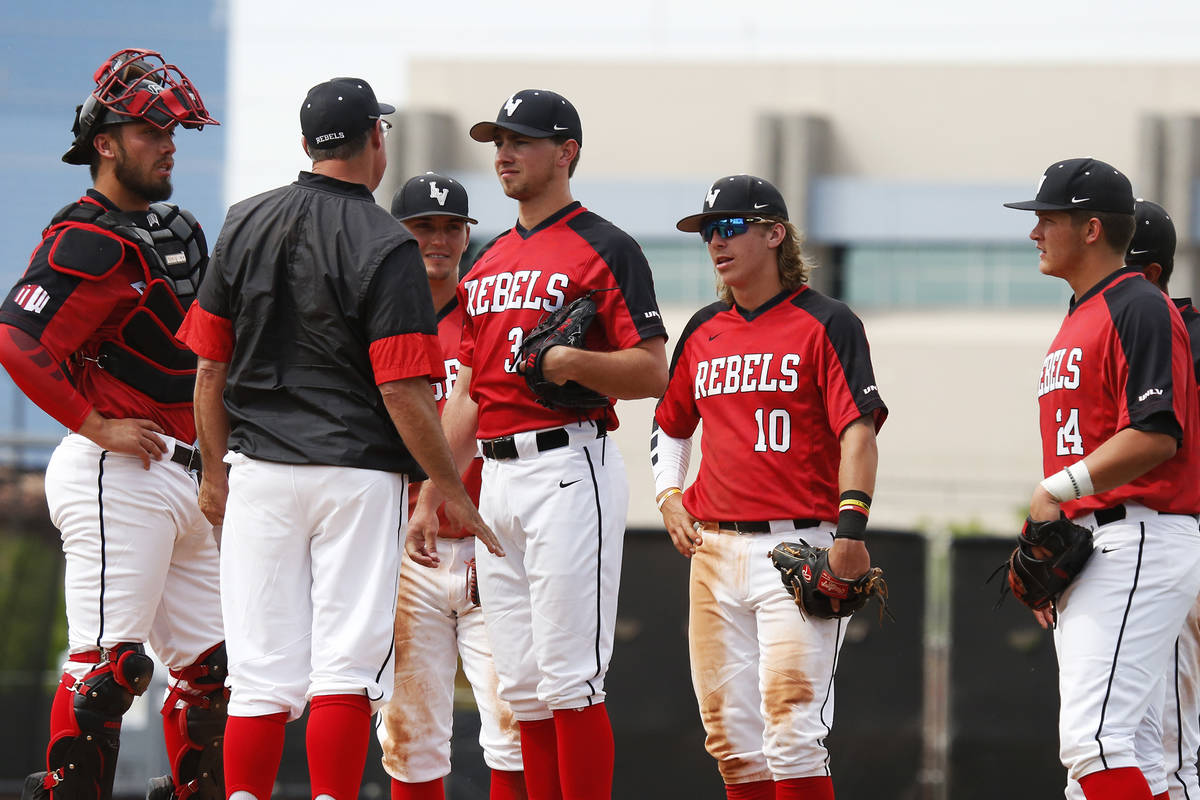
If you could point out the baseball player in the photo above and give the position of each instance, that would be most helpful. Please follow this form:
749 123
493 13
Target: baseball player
1118 407
553 486
88 333
316 352
782 378
1153 252
438 619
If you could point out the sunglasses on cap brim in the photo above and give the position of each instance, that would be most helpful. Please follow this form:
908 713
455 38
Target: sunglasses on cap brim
728 227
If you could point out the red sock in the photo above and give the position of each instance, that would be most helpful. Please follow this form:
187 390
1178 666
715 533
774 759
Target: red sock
62 718
1164 796
1124 783
429 790
253 747
818 788
754 790
339 727
507 786
585 752
539 752
175 736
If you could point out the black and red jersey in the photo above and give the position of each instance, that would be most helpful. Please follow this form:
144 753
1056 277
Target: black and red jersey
1191 321
88 289
1123 359
524 274
775 388
450 325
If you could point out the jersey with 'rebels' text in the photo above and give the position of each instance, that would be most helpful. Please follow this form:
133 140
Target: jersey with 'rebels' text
776 388
450 324
524 274
1122 359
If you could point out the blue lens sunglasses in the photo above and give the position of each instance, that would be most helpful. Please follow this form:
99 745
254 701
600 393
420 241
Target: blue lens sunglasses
728 227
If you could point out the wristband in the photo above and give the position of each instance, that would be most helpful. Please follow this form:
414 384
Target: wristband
662 498
1070 483
854 508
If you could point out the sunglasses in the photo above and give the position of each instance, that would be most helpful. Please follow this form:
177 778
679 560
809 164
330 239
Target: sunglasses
728 227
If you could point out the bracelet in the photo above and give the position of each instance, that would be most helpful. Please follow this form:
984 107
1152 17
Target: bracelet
1070 483
854 508
667 493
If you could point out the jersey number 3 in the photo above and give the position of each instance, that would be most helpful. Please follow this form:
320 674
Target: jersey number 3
1070 441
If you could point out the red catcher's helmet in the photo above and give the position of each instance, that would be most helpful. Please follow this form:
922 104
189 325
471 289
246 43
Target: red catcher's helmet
133 85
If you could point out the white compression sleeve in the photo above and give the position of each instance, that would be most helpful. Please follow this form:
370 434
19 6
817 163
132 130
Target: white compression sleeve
669 458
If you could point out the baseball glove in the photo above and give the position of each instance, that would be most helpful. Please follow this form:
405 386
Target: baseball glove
1047 558
565 326
806 575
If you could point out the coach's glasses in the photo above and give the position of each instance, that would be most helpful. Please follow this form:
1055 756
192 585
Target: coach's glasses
384 127
728 227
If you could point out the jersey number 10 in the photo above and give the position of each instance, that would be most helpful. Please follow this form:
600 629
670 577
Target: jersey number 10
776 433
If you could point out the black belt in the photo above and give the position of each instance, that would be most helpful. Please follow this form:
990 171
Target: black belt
761 526
506 446
188 457
1105 516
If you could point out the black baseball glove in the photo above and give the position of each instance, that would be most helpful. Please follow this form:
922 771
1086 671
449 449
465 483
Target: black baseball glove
806 575
565 326
1047 558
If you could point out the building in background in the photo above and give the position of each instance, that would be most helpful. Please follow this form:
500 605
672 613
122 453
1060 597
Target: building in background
895 133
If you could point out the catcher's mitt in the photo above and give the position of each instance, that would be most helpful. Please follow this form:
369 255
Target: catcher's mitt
565 326
805 572
1047 558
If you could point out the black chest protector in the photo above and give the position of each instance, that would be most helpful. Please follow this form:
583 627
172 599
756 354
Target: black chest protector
145 353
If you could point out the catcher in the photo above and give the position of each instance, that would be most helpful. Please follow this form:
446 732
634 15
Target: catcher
782 378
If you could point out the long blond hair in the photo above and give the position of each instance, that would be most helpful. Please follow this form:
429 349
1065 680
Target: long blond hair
794 264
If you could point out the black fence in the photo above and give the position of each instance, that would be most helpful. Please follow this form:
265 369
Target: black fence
964 710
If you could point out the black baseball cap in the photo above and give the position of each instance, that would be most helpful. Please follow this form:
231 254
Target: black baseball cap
1153 236
737 196
431 195
539 113
1081 183
337 109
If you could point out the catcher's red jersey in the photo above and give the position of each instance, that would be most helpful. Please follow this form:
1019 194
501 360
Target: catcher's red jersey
450 324
522 275
775 387
1122 359
72 298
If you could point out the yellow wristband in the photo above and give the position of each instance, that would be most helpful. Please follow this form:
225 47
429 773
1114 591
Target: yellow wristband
667 493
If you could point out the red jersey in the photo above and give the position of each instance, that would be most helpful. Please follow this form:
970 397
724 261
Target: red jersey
83 289
775 387
522 275
450 325
1122 359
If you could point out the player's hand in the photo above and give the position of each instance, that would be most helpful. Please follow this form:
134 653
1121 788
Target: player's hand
420 543
1043 506
133 437
214 493
1046 617
555 364
682 526
464 514
849 559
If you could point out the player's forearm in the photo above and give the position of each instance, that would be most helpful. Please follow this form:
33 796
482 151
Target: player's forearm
859 457
629 374
1126 456
410 404
36 373
212 419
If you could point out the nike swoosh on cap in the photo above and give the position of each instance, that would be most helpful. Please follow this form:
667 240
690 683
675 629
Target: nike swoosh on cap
558 127
1137 252
760 205
1080 199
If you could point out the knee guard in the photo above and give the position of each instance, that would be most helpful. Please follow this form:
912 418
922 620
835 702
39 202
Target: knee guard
82 758
195 713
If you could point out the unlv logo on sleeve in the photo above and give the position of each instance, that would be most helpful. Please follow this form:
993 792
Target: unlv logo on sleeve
32 298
